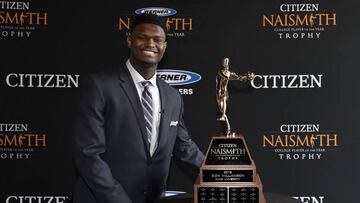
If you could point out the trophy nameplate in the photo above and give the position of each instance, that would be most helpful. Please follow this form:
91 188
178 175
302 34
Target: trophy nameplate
228 173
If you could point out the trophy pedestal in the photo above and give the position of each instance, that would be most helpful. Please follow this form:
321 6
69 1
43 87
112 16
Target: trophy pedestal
228 174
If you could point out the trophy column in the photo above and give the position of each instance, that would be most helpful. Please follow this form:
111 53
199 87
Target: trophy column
228 173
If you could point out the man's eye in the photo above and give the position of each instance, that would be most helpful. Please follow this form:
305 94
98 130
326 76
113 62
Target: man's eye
158 40
140 37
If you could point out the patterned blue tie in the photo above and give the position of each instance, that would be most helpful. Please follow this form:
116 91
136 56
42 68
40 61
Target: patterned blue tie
147 104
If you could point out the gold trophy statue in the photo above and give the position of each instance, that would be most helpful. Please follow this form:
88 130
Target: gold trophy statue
228 174
222 94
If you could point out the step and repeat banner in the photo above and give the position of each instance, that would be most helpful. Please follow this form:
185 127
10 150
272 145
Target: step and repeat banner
299 114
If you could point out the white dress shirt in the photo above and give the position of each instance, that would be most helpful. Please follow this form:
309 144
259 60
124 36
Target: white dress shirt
154 90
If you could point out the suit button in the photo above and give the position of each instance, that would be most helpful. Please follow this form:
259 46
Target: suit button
145 192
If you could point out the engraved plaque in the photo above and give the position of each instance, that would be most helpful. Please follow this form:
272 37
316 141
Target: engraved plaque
212 194
227 151
243 195
227 175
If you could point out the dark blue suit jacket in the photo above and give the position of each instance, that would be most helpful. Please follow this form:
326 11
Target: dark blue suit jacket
111 151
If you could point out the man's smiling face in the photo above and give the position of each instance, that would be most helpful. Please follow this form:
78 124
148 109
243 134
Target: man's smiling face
147 44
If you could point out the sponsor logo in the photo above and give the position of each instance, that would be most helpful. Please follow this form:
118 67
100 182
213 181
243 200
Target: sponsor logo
300 142
299 21
160 11
20 20
37 199
17 142
304 81
17 80
312 199
178 77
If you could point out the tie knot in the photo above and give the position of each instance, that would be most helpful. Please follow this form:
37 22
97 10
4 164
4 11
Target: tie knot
145 83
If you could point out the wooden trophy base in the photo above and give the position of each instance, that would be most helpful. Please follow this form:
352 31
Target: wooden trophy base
228 174
229 192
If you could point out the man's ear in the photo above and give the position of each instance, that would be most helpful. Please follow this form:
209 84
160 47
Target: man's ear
165 45
128 40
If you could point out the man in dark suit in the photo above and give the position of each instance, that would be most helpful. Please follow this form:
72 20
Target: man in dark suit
128 124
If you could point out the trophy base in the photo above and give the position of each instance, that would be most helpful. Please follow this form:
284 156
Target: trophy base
243 192
228 173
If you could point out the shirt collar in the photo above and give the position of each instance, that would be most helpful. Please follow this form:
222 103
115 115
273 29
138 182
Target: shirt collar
137 78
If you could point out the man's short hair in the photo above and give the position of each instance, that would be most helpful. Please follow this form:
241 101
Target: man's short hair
148 18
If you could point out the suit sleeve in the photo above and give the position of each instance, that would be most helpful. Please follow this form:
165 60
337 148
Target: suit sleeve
89 144
185 149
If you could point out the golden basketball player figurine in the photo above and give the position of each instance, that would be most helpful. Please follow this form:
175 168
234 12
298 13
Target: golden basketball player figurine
222 94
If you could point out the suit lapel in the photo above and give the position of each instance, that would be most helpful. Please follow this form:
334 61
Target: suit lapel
165 115
129 88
